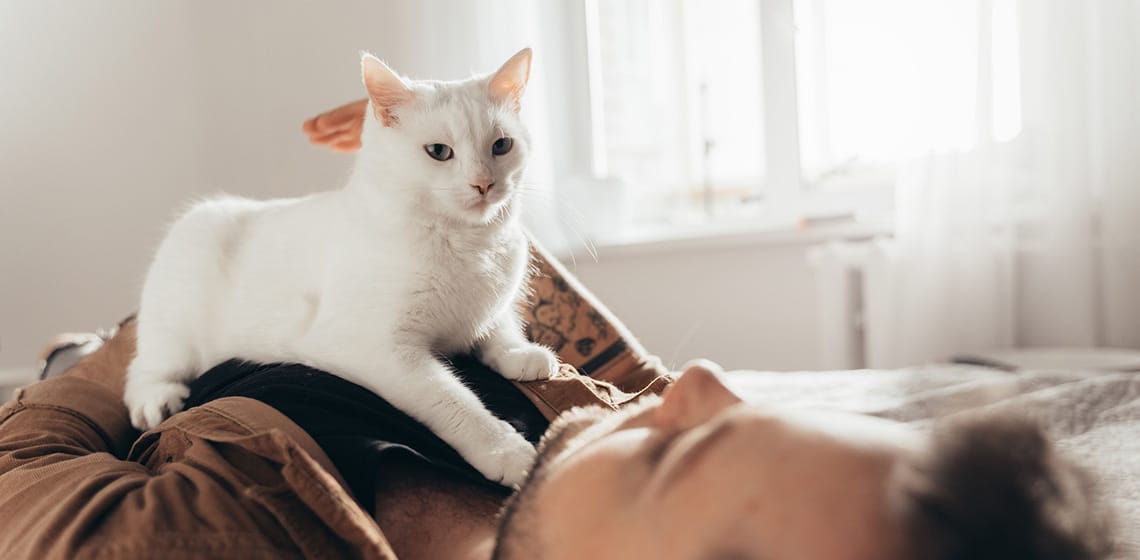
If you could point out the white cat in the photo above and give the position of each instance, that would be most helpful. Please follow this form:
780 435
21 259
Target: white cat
420 254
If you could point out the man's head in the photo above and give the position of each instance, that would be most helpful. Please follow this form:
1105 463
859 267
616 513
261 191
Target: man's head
701 474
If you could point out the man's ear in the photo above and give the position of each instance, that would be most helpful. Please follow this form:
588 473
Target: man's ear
386 89
508 84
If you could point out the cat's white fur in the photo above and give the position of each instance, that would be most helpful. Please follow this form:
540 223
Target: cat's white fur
371 282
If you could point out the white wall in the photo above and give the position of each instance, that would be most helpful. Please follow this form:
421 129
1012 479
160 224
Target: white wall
100 137
747 307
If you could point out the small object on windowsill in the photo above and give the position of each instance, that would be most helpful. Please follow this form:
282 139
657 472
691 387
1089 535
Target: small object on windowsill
1081 359
811 222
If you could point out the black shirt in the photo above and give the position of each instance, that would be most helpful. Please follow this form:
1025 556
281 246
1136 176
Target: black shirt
356 428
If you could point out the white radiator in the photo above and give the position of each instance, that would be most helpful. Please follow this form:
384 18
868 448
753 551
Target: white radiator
883 307
841 303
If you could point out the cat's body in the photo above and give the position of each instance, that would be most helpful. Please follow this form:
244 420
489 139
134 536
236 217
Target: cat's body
371 282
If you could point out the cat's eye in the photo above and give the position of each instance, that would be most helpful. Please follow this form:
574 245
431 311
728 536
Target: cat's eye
439 152
502 146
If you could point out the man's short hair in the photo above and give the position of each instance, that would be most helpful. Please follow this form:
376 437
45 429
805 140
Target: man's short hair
994 487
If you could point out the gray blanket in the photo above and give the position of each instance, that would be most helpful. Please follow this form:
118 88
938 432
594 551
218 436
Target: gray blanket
1094 416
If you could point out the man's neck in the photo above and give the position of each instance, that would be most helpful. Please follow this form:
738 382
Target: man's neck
425 514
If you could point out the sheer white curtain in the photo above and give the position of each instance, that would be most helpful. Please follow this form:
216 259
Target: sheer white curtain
1033 241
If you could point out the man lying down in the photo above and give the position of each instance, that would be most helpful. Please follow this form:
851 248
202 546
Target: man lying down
696 473
278 461
700 473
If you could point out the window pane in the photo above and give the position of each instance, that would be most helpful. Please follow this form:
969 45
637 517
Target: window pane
643 128
724 84
882 80
679 76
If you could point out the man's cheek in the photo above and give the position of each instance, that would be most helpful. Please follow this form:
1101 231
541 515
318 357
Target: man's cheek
579 499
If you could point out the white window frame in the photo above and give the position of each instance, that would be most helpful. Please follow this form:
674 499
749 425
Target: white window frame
782 185
783 191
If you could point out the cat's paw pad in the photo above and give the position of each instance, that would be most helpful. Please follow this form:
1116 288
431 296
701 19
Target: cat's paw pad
151 403
526 363
509 462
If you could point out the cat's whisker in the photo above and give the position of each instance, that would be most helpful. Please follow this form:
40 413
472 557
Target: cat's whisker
568 216
575 225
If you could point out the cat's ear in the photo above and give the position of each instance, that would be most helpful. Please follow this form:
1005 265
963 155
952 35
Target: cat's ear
386 89
508 84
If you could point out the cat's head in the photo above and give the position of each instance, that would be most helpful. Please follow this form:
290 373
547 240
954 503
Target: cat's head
459 148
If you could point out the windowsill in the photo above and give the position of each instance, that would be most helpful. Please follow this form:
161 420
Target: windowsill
657 239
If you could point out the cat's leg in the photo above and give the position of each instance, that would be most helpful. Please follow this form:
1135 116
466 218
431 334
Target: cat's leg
156 378
508 352
416 382
177 310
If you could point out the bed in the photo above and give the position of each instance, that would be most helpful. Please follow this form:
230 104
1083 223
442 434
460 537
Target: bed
1095 416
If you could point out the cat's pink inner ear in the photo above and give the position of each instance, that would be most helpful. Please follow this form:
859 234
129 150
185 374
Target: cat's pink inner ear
508 84
386 90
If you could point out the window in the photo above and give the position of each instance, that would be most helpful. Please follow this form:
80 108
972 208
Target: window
790 108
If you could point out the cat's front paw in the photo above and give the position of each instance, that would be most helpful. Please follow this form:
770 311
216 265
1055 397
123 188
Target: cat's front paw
508 461
150 403
524 363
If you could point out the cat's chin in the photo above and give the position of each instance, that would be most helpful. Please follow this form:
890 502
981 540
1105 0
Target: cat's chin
485 211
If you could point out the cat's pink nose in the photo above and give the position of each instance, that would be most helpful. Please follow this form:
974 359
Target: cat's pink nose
483 187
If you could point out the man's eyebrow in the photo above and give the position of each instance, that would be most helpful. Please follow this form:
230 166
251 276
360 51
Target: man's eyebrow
692 455
660 445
